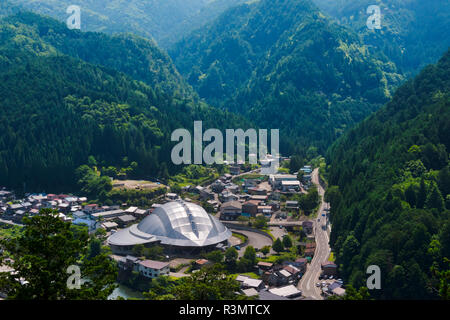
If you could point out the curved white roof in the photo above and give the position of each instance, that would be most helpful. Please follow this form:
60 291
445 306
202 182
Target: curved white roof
176 223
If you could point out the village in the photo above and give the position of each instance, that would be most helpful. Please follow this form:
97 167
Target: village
256 210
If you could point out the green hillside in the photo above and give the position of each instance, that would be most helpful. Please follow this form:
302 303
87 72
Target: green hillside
137 57
285 65
413 33
390 198
56 110
166 21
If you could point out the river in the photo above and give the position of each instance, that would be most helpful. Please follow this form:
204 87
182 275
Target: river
125 292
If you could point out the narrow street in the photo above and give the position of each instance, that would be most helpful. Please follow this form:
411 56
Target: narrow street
308 282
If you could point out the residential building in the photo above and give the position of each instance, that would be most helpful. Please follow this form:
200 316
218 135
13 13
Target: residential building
329 268
235 170
153 269
289 291
250 208
230 210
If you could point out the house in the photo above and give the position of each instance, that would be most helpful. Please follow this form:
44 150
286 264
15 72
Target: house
233 188
90 208
275 180
289 186
131 210
338 291
64 207
125 220
309 252
276 195
289 291
265 210
250 208
275 205
79 215
235 170
198 189
198 264
153 269
14 207
247 283
257 191
227 196
18 216
218 186
230 210
253 283
333 286
292 205
140 213
206 195
109 225
280 215
250 292
91 224
329 268
306 169
171 196
294 271
301 263
264 267
6 195
277 277
249 183
108 214
260 198
128 263
266 295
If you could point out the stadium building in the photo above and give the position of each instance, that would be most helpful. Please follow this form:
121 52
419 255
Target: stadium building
178 226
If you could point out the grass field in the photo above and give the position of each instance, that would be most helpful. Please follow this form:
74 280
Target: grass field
135 184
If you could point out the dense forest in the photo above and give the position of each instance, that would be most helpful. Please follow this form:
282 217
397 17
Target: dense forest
136 56
164 21
413 33
390 198
287 66
57 110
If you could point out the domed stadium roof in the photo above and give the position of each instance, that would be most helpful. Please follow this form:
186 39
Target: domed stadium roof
176 223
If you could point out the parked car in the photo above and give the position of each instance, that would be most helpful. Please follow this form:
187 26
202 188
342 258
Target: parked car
318 284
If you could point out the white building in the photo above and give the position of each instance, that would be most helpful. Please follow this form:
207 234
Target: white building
153 269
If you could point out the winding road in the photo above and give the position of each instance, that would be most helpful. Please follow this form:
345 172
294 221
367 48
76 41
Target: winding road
308 282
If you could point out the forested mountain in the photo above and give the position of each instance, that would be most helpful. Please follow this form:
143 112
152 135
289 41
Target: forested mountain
390 198
163 20
413 33
56 110
137 57
285 65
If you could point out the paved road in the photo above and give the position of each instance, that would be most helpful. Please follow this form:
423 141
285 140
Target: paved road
308 282
255 240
